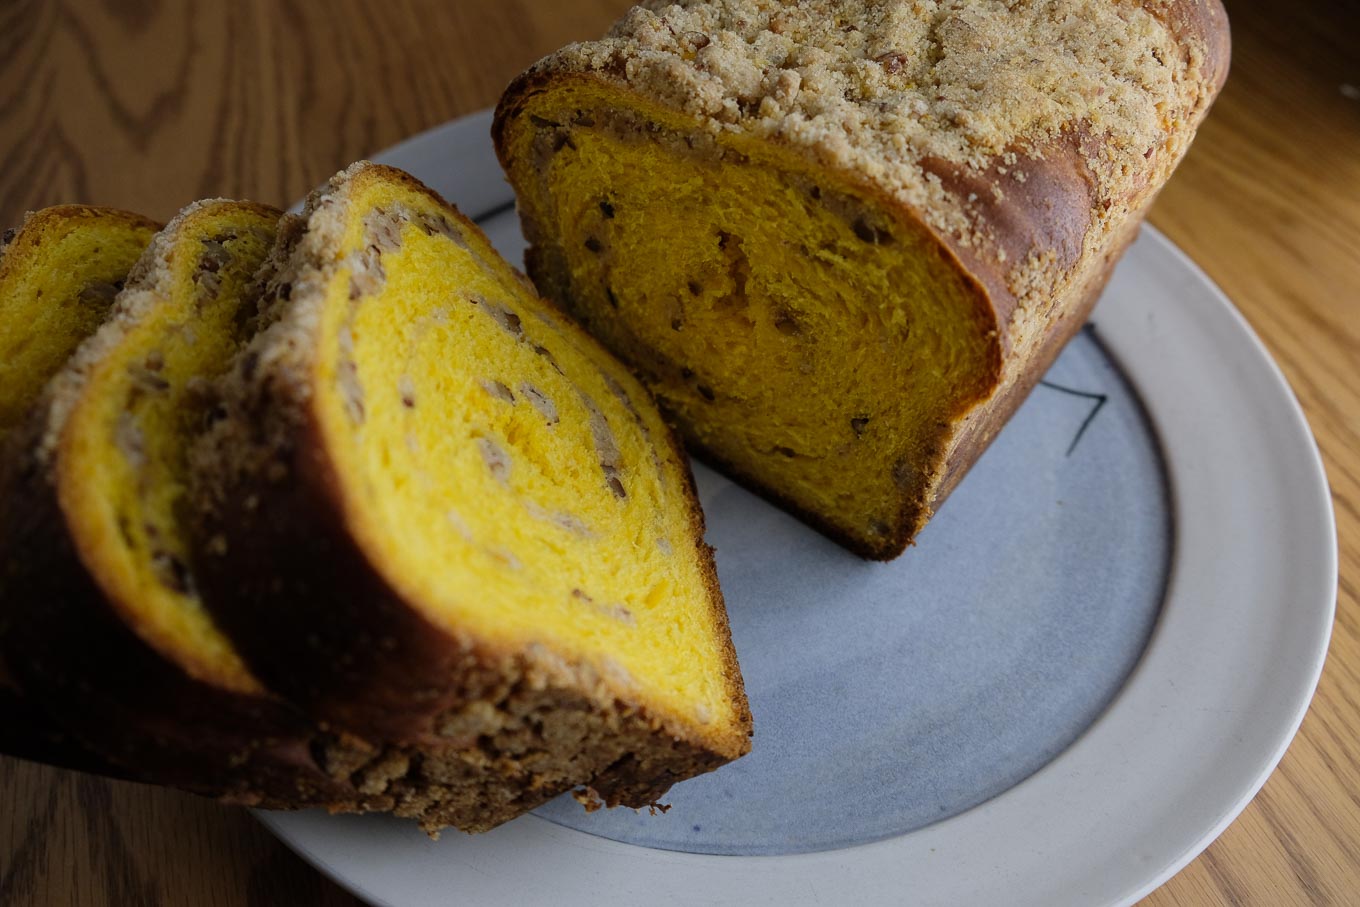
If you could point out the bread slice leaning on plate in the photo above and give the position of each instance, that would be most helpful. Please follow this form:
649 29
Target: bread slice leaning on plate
437 514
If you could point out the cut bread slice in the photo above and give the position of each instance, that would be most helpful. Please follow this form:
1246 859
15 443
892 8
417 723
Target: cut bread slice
841 241
437 513
105 630
59 273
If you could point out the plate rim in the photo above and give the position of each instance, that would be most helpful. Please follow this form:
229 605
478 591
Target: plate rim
480 187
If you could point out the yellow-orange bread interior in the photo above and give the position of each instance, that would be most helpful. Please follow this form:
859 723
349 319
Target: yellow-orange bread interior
841 239
507 566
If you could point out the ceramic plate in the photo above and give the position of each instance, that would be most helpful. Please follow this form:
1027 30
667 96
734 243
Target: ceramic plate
1083 671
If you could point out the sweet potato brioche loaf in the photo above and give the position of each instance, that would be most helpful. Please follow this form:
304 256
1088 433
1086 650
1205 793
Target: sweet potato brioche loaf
59 272
105 629
841 239
437 513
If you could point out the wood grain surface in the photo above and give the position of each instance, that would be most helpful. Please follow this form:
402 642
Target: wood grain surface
147 104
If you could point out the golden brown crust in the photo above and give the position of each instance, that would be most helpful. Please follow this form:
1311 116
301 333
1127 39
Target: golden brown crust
281 565
986 422
1043 143
1200 27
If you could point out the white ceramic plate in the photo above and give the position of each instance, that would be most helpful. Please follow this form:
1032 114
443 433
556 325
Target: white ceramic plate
1065 720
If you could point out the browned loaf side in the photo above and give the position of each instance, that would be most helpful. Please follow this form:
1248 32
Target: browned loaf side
842 240
376 312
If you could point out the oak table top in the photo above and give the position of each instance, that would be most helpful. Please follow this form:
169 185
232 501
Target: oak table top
147 105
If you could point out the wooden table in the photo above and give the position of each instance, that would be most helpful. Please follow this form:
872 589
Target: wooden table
149 105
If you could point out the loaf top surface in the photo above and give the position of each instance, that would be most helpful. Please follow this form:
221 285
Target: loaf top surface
878 84
907 95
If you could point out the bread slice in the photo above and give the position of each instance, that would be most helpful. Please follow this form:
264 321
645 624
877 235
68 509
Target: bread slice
436 513
59 272
105 629
841 241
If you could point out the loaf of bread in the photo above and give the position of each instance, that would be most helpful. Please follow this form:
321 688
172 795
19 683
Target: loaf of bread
435 513
841 240
59 272
104 628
